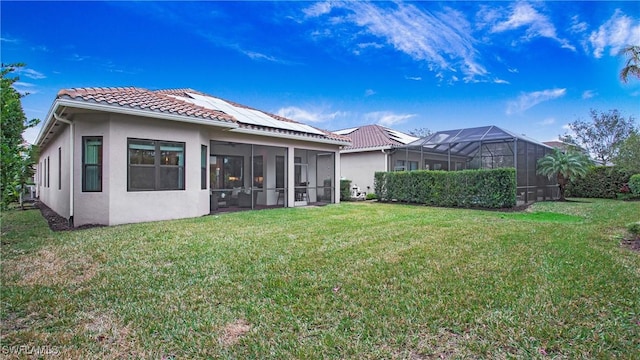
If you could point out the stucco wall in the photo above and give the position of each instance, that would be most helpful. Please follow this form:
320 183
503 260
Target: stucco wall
56 195
360 168
139 206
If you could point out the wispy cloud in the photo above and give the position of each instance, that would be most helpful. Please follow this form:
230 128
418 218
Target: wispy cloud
308 116
500 81
387 118
524 15
414 78
444 39
619 31
529 100
24 88
8 40
588 94
30 73
369 92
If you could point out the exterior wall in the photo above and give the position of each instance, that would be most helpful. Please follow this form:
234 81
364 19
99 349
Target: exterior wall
360 168
56 195
140 206
91 207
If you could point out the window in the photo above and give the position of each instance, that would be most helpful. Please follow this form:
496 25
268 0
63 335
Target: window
258 172
413 165
400 165
155 165
92 163
203 166
48 170
59 168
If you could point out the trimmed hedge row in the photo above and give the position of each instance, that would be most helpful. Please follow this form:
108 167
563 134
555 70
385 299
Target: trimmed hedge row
494 188
599 182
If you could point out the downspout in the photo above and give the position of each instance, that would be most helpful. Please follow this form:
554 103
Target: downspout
71 164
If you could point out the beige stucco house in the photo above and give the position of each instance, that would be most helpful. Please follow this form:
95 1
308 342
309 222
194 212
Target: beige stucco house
372 149
124 155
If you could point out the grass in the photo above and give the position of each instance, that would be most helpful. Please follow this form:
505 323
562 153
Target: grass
354 280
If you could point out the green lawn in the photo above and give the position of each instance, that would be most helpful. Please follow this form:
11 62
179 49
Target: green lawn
354 280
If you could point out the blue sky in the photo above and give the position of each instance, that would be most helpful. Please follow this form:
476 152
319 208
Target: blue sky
529 67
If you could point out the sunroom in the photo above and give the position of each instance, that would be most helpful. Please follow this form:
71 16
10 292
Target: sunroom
248 176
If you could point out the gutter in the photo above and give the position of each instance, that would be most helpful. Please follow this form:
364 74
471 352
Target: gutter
290 137
71 164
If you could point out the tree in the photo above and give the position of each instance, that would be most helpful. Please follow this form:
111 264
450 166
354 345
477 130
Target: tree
628 156
13 122
420 132
602 135
564 166
632 66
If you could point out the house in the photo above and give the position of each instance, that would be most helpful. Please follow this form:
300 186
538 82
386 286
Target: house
124 155
369 152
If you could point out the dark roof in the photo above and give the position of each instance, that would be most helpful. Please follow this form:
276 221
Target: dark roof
374 136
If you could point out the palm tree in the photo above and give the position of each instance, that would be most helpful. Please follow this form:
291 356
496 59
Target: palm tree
633 62
564 166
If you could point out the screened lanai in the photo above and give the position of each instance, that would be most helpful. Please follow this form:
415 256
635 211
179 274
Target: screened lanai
487 147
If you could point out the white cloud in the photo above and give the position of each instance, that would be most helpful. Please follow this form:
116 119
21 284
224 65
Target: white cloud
414 78
619 31
444 40
24 87
307 116
386 118
500 81
30 73
369 92
318 9
588 94
577 26
514 70
529 100
523 15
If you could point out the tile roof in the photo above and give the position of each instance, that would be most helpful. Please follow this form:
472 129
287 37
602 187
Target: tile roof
168 102
375 136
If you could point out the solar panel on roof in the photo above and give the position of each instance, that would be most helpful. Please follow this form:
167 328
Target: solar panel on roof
249 116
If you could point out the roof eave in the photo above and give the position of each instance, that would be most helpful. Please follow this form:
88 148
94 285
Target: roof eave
291 136
124 110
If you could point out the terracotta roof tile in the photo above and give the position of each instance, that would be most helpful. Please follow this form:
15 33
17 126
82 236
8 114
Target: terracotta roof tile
372 136
168 101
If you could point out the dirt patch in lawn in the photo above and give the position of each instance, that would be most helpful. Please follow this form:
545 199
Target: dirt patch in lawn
47 267
632 244
234 331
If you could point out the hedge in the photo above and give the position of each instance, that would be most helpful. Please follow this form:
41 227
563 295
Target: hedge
599 182
494 188
634 184
345 190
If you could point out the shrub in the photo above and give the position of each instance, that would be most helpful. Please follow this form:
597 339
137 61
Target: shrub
634 184
634 228
599 182
371 196
345 190
495 188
